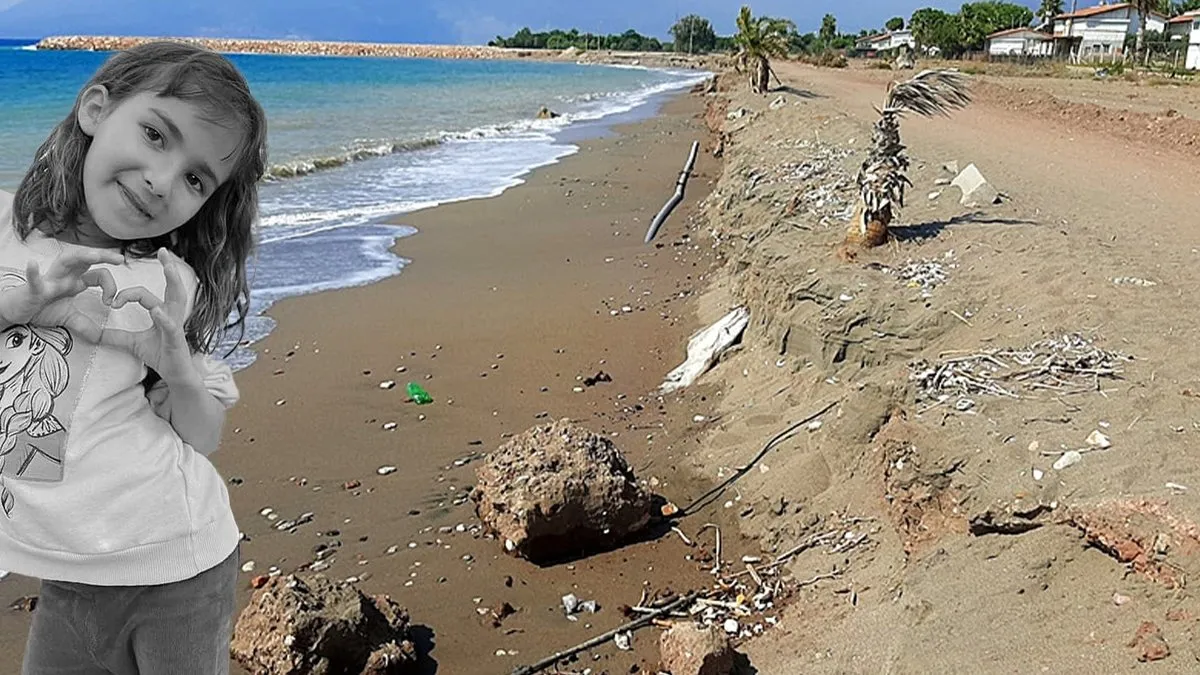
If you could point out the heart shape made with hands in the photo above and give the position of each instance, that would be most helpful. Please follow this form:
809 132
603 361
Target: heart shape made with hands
162 347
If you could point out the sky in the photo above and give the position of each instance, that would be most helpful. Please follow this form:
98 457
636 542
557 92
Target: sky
423 21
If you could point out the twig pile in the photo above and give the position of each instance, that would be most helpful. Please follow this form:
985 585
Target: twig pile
1068 364
741 601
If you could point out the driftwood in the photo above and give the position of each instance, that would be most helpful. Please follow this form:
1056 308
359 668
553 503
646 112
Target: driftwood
675 198
668 608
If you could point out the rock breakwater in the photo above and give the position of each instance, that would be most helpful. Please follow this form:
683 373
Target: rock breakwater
295 47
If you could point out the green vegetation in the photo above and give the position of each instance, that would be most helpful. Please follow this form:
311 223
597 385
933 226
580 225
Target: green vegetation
694 34
953 34
760 39
691 34
630 40
1048 10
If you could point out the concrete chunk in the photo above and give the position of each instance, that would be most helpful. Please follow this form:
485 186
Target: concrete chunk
976 191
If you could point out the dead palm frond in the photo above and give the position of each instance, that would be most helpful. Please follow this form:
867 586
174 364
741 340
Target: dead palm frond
881 179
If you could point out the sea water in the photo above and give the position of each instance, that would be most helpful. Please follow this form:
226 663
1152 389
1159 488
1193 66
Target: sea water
356 142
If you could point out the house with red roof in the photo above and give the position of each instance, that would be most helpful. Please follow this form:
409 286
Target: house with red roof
1192 60
1180 27
1098 33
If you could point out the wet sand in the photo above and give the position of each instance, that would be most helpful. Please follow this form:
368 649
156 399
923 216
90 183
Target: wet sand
506 304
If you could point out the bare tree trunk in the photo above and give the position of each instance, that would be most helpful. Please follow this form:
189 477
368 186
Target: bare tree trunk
867 230
763 75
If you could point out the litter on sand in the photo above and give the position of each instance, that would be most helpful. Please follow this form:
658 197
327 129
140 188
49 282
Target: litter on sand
705 347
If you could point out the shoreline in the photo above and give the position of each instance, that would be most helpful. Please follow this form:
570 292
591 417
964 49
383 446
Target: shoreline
503 307
498 321
382 49
569 136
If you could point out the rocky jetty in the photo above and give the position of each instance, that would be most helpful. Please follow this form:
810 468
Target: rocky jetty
111 43
101 43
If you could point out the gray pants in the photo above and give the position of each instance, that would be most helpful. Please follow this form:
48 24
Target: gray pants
182 628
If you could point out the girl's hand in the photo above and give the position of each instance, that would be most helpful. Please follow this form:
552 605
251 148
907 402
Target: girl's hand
163 347
67 276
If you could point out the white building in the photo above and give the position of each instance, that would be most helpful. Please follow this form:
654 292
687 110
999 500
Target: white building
1180 27
1020 42
1193 51
886 42
1098 33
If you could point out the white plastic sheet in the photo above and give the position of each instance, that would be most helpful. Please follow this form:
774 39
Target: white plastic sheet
705 347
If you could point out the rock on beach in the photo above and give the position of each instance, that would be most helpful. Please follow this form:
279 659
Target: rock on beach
559 490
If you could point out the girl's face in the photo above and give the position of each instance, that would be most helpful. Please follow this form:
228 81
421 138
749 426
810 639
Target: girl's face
152 164
16 348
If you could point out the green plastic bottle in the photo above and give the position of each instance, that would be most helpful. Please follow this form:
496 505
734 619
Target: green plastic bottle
418 395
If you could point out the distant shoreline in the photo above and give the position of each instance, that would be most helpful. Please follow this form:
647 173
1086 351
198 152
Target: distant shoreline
378 49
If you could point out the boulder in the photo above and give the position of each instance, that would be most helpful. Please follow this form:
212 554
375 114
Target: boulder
316 626
559 491
976 191
688 649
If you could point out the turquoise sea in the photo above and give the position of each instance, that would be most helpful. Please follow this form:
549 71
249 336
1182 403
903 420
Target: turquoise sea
356 141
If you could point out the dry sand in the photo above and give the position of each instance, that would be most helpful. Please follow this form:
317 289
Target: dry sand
1087 204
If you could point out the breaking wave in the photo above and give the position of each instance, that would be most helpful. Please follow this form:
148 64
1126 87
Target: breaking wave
589 107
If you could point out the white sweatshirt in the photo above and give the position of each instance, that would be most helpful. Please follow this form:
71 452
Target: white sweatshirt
96 486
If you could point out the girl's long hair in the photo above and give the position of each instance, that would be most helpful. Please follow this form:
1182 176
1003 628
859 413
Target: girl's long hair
219 239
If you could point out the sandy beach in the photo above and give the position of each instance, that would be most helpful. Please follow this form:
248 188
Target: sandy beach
504 308
922 527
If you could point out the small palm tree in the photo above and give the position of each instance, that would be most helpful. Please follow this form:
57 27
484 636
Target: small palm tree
1048 10
758 40
881 179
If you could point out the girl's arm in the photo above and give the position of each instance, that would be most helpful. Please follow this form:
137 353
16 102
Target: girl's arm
197 416
195 406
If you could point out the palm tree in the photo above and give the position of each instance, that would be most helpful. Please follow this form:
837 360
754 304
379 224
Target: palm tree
758 40
1049 9
881 178
1143 7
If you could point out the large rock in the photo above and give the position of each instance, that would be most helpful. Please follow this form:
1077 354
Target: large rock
315 626
559 491
688 649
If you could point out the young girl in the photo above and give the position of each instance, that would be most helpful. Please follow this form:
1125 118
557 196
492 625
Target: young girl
125 247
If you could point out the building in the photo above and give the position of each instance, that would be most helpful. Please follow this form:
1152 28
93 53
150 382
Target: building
1180 27
1020 42
1192 61
1098 33
885 42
